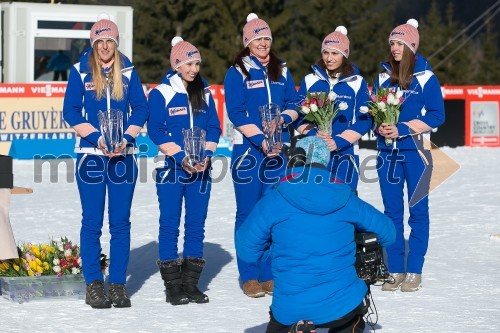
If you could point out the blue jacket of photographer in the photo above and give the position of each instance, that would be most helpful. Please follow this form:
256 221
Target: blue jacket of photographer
306 224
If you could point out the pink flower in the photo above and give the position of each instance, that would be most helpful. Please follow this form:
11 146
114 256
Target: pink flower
384 99
373 98
320 103
314 101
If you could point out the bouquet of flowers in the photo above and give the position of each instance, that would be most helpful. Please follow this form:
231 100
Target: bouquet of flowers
384 107
56 258
321 108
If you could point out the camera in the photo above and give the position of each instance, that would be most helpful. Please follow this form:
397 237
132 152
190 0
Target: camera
370 265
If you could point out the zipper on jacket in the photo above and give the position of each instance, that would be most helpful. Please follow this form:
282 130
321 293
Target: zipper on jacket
108 97
190 112
268 88
242 158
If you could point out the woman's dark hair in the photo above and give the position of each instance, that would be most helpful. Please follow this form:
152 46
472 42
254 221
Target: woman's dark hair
402 71
274 67
195 91
345 70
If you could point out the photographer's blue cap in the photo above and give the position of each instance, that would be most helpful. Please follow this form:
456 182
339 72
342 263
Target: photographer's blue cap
316 150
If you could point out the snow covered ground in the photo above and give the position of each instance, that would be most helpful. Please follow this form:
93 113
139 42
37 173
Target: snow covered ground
461 289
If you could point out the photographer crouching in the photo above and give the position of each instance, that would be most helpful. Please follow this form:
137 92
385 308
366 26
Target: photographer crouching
306 225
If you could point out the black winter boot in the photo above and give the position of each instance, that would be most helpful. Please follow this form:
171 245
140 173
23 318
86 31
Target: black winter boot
171 274
95 295
118 296
191 271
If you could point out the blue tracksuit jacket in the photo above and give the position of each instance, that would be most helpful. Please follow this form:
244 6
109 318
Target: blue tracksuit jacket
423 100
170 113
307 229
244 95
80 105
352 90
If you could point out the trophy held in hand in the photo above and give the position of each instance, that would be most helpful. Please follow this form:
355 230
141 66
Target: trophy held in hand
271 127
194 146
111 124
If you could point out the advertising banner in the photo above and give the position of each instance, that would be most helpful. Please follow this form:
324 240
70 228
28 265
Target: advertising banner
485 123
32 124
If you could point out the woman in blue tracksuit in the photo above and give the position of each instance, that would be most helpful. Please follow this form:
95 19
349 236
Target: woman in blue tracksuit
408 159
182 101
258 77
105 79
335 73
305 225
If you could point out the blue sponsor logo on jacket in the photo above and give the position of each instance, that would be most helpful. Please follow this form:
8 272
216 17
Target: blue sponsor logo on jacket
255 84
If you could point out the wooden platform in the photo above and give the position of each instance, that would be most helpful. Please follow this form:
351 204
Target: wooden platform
21 190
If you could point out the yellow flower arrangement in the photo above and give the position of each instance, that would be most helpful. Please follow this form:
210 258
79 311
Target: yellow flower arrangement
56 258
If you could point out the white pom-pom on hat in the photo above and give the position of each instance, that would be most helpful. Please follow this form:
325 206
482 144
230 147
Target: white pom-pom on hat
341 29
103 16
413 23
176 40
252 16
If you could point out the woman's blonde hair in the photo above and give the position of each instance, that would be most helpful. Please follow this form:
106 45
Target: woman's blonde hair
114 81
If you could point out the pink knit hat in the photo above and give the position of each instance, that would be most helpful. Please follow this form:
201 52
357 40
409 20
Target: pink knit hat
406 34
255 29
104 28
182 53
337 41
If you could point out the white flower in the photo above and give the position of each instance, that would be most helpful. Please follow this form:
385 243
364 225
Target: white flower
75 270
314 107
363 109
395 101
56 269
67 253
305 109
56 261
60 248
399 94
390 99
332 96
343 106
382 106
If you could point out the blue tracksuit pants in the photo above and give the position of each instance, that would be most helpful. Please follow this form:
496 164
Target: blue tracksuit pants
252 175
345 168
96 175
172 186
395 168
